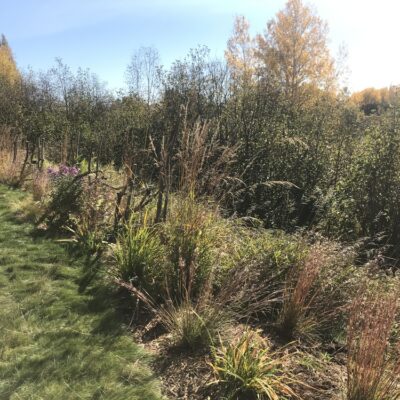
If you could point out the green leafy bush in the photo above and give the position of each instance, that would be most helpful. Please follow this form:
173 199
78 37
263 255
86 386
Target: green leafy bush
271 252
364 202
65 200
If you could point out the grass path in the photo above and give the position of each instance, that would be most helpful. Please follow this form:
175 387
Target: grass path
57 341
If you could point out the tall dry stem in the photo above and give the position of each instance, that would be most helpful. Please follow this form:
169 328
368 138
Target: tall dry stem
295 316
371 372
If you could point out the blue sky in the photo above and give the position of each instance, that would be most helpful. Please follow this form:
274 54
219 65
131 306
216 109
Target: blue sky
103 34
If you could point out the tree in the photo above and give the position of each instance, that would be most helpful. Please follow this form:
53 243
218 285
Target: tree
294 51
239 54
142 74
8 67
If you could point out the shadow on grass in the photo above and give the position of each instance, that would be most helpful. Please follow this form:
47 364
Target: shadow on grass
91 268
77 360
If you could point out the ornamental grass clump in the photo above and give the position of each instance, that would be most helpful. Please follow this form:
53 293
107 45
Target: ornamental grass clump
247 368
296 318
140 256
194 326
192 247
373 365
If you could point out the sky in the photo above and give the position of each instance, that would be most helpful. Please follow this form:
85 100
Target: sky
103 34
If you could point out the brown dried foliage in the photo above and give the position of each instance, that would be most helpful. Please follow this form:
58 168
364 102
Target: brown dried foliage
295 318
372 371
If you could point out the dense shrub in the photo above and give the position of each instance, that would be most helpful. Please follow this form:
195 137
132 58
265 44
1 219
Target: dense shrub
364 202
93 225
64 200
273 253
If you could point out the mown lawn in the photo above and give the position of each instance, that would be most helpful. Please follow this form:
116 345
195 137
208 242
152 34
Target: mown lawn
58 341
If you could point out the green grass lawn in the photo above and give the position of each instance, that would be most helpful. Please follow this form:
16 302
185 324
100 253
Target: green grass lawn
58 341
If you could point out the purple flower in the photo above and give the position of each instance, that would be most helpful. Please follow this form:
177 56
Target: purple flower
73 171
62 171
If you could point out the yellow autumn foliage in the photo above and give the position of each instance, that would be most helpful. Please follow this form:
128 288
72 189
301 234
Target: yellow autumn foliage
294 49
240 50
8 67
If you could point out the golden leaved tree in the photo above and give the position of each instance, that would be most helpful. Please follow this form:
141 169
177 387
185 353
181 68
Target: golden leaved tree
240 51
8 67
294 51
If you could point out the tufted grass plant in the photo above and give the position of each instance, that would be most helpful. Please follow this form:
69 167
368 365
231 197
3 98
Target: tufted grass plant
247 368
373 365
140 256
195 327
192 240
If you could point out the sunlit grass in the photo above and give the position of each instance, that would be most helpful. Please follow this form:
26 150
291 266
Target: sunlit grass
56 341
